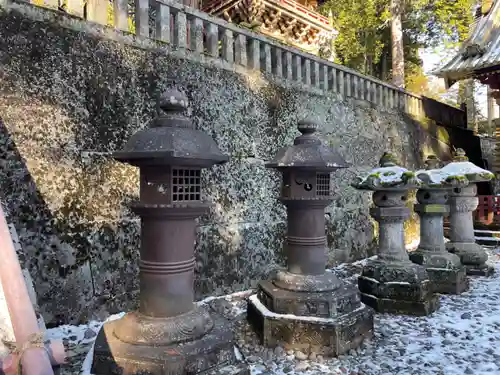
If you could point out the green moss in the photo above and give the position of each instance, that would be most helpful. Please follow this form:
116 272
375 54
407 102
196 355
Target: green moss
456 178
408 175
375 175
389 173
487 175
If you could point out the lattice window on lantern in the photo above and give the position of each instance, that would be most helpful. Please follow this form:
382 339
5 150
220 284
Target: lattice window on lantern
186 185
323 184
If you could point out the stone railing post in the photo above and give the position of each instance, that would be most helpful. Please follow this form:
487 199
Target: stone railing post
446 272
463 201
305 307
392 283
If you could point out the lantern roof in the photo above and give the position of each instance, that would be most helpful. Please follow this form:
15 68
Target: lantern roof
433 177
308 152
388 176
462 169
171 139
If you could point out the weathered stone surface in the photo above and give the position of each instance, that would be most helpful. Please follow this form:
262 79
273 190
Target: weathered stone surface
399 288
211 354
462 202
446 272
326 336
320 304
71 95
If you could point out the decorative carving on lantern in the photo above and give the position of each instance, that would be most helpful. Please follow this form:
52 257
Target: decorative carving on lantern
446 272
323 306
463 201
168 334
392 283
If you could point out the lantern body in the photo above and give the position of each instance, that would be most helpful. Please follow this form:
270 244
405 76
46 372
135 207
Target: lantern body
446 272
168 334
392 283
463 202
302 306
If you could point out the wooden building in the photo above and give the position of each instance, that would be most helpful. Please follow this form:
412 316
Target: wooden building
295 23
479 58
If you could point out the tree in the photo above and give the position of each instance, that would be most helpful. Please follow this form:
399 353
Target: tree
365 32
398 59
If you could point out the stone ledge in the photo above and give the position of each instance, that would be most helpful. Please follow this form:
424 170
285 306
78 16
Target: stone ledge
331 337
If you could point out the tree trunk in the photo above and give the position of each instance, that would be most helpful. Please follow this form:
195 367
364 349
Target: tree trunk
466 97
398 60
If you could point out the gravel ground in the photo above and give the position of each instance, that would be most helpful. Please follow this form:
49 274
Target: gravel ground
461 338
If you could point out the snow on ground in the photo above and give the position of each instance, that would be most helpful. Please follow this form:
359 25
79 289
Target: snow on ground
460 338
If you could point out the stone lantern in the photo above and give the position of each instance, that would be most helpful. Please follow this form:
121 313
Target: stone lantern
463 201
303 307
168 334
392 283
446 272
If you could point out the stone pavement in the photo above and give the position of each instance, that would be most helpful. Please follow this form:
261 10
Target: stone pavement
461 338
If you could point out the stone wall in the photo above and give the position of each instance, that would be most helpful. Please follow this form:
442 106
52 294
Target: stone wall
72 93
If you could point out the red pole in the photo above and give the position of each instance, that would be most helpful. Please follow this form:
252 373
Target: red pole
34 360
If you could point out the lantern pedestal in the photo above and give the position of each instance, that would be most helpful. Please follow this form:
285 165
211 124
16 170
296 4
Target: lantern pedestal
213 351
473 257
446 272
328 323
304 307
397 288
392 283
168 334
463 201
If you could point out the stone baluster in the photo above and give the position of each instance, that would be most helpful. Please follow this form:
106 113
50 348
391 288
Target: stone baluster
288 65
268 67
228 46
120 10
212 40
277 59
325 77
162 21
197 36
180 28
240 50
298 68
315 74
254 56
142 18
341 81
307 72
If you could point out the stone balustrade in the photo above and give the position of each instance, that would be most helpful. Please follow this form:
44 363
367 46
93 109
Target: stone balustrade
182 28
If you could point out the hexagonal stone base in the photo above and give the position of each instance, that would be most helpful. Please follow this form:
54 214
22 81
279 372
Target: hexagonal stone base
397 288
448 281
327 336
213 354
318 304
485 270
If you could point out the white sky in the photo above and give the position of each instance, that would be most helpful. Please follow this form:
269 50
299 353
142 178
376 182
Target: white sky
434 58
